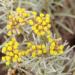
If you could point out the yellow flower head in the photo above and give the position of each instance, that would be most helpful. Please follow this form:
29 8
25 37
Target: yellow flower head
11 51
40 23
16 19
35 50
56 48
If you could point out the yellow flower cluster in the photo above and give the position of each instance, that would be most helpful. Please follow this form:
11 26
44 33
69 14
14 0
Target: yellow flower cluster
16 19
40 23
35 50
56 48
12 54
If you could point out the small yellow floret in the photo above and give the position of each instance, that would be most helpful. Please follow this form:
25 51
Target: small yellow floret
33 47
15 46
47 15
33 28
60 52
34 13
49 39
21 20
19 60
33 54
9 27
39 46
7 63
40 27
7 58
61 47
7 53
11 54
16 56
30 22
16 51
42 33
39 52
23 53
3 49
27 52
3 58
44 51
14 59
43 23
9 48
19 10
43 46
29 44
24 14
51 52
10 16
10 43
41 15
38 19
55 53
9 33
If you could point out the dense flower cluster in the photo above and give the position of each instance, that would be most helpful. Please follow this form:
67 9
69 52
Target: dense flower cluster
12 54
40 23
35 50
56 48
16 20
